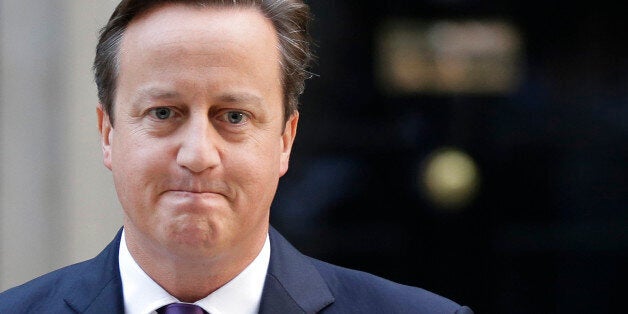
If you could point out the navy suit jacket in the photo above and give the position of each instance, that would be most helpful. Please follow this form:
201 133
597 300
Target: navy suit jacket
295 283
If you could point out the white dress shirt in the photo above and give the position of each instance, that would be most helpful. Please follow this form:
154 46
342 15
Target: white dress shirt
241 295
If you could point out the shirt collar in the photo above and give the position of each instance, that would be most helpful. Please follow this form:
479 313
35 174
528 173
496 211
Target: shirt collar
243 294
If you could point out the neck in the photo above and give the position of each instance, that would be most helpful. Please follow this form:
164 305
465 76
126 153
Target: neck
190 278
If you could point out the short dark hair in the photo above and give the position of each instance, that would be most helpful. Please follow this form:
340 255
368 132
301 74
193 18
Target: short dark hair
289 17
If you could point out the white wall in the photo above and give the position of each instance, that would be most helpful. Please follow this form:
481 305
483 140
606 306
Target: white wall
57 202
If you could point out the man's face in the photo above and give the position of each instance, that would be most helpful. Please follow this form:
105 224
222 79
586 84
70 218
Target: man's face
197 148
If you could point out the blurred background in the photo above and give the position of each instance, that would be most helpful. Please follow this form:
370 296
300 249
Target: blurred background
476 149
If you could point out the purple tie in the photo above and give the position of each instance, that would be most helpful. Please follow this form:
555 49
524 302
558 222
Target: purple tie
181 308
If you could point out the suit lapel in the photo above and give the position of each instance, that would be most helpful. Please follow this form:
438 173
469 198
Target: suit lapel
98 287
293 284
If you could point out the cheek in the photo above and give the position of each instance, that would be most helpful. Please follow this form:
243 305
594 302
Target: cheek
135 148
256 171
137 167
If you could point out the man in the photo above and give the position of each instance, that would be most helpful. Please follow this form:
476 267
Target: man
197 118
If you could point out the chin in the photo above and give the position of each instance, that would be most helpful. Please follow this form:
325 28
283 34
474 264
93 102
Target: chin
192 234
190 247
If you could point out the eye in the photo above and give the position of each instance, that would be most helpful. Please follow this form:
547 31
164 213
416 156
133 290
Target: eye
235 117
161 113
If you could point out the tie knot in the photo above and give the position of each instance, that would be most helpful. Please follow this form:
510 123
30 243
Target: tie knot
181 308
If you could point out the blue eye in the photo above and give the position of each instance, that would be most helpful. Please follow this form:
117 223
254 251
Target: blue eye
162 113
235 117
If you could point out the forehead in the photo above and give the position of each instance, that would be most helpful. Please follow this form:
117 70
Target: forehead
199 45
173 23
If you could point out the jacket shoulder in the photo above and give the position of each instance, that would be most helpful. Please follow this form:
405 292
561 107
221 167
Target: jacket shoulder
45 293
361 292
82 287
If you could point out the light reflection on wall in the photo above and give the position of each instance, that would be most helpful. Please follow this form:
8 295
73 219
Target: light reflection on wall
447 56
450 178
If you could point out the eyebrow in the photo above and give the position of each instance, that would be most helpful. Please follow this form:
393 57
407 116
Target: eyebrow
156 93
240 97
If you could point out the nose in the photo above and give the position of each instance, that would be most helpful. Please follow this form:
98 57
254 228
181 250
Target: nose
198 150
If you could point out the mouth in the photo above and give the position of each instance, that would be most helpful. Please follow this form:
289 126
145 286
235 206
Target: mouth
196 188
193 193
188 198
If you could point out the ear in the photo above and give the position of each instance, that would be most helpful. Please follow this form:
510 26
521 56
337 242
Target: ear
106 135
287 139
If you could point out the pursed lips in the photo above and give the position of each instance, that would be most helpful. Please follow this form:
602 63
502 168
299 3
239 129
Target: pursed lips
192 200
195 194
194 188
